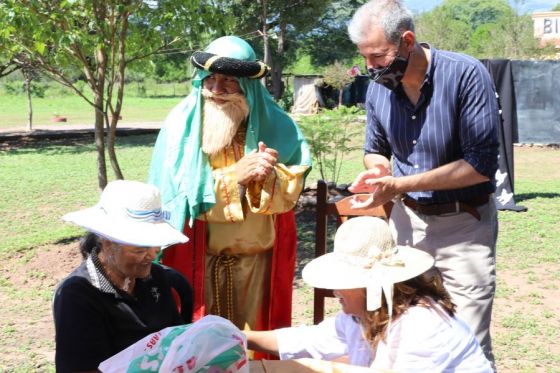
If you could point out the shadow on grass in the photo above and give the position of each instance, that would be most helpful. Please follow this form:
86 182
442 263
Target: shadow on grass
67 240
527 196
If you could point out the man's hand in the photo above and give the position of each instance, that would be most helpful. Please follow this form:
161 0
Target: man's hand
256 165
384 190
378 182
362 183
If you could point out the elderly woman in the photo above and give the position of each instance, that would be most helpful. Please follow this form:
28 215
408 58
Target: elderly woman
117 295
396 314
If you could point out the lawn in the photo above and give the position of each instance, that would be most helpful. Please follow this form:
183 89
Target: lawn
49 180
148 104
41 183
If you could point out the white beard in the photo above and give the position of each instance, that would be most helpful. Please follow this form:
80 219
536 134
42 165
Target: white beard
220 122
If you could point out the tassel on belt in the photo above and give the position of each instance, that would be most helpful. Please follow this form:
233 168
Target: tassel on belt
226 261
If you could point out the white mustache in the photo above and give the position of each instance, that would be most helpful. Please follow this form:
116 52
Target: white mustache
224 96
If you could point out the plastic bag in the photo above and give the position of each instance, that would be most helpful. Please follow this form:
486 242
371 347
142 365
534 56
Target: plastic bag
212 344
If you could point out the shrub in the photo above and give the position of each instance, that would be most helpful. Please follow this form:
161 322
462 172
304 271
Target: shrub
287 100
16 88
330 136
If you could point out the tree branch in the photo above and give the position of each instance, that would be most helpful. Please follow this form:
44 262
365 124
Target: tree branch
159 50
59 77
8 68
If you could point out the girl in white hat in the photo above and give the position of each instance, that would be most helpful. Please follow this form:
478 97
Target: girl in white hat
396 315
117 295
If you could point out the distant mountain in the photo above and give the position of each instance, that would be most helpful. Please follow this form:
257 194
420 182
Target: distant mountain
529 6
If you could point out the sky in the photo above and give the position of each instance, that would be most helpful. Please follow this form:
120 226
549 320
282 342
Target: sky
527 6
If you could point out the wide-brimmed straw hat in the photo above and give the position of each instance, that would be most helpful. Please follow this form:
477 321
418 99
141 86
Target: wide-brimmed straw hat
128 212
365 256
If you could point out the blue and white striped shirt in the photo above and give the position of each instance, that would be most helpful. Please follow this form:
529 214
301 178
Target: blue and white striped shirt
456 117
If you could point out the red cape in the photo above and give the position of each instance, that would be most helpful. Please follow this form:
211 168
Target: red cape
189 259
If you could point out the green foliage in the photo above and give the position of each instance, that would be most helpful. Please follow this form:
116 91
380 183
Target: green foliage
302 65
166 68
483 29
481 38
330 135
80 36
556 8
336 76
328 40
442 31
294 16
476 12
18 88
287 100
101 38
280 23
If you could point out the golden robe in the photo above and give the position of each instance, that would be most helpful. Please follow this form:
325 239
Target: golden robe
241 236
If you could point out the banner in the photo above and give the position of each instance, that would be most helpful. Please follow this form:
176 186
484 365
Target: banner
500 71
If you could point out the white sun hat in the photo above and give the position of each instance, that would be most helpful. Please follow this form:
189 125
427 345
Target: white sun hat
365 256
128 212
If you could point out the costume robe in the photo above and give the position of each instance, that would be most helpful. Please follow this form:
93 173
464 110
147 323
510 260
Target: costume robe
200 196
241 256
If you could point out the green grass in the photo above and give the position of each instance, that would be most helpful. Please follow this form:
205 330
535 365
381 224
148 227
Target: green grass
40 184
152 107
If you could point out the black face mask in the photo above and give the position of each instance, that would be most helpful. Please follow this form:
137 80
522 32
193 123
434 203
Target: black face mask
390 76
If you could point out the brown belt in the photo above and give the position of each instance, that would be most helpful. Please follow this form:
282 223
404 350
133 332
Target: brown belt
447 208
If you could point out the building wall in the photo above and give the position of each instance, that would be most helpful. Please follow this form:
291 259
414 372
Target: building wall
547 27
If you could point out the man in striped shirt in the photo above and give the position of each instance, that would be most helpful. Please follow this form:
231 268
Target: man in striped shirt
435 114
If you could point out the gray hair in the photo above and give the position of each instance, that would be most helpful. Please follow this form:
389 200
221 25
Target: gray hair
391 15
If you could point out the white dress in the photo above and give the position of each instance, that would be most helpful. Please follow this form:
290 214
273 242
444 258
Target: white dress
421 340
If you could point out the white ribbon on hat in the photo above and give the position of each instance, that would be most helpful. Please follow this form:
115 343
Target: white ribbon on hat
378 282
377 286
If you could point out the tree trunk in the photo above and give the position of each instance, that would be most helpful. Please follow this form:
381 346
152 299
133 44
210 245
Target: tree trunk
29 104
266 46
340 92
111 147
115 114
100 117
277 83
100 142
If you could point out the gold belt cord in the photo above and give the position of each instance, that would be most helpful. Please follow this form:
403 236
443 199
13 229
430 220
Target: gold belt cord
227 261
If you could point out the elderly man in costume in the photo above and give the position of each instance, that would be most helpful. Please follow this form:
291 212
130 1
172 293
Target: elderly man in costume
230 164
